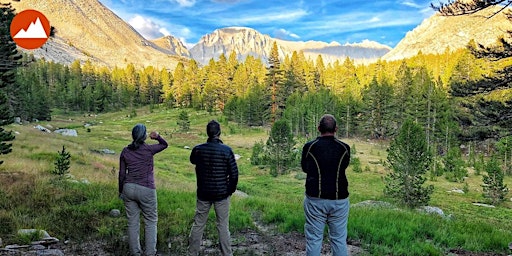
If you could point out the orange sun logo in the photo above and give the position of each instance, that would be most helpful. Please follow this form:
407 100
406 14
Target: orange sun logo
30 29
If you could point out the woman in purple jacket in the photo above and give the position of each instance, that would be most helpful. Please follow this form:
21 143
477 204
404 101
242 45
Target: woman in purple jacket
137 188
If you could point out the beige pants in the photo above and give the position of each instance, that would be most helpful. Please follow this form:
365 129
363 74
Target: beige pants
139 199
222 221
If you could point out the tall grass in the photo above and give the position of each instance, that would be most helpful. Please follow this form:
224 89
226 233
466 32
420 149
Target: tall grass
30 197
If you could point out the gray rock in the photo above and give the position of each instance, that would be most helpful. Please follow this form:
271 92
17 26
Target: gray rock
456 190
28 232
108 151
67 132
115 213
484 205
240 194
433 210
42 128
50 252
373 203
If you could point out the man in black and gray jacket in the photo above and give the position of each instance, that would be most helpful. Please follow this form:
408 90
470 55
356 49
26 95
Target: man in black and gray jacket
217 178
324 161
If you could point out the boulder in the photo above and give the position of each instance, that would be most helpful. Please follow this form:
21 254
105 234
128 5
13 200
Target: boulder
67 132
42 128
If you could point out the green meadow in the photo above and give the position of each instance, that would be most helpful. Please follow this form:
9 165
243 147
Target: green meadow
78 208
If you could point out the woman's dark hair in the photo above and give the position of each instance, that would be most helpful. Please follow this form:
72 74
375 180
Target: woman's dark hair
138 135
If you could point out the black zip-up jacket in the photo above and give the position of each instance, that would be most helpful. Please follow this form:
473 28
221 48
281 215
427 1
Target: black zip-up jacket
216 170
324 160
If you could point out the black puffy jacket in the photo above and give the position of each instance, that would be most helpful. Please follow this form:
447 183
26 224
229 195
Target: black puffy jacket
216 170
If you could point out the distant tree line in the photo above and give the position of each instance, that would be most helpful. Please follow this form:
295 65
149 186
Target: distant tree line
370 100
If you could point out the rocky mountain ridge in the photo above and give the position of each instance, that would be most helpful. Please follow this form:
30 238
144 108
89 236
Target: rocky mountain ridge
87 30
438 34
247 41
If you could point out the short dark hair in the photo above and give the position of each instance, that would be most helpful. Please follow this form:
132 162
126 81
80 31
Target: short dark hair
327 124
213 129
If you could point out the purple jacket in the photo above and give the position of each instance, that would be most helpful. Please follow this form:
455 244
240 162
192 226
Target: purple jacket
136 166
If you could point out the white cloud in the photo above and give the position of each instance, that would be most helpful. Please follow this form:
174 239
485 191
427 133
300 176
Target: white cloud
186 3
264 17
284 34
147 28
164 31
412 4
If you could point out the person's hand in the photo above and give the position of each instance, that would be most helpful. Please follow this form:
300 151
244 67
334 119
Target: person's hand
153 135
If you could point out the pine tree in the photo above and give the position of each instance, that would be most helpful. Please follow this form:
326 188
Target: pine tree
275 84
5 148
378 98
62 163
493 188
409 159
454 166
280 144
488 111
183 121
9 61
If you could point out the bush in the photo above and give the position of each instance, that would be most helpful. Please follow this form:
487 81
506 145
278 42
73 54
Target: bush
62 163
356 165
493 187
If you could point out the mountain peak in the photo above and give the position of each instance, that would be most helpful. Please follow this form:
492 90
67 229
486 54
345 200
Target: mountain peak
99 35
438 33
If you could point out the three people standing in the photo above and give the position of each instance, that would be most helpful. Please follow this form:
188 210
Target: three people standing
325 160
326 201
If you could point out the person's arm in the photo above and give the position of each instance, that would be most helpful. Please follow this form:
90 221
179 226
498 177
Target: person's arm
233 173
193 157
162 143
303 158
122 173
346 159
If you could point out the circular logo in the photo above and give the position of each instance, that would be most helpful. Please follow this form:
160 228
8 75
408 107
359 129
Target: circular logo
30 29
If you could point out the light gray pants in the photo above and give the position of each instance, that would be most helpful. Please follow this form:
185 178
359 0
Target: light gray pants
136 199
222 221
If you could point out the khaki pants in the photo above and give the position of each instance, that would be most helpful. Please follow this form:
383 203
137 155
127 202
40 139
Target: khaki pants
139 199
222 221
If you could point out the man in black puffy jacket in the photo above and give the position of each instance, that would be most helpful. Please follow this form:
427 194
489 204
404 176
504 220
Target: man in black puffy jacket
217 178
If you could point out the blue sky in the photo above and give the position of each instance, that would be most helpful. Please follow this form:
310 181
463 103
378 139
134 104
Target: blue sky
343 21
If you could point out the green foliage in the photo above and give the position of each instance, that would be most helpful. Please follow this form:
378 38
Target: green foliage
454 167
378 97
62 163
494 190
5 148
183 121
274 203
29 237
479 164
8 222
280 144
414 233
258 156
356 164
409 159
9 61
504 146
